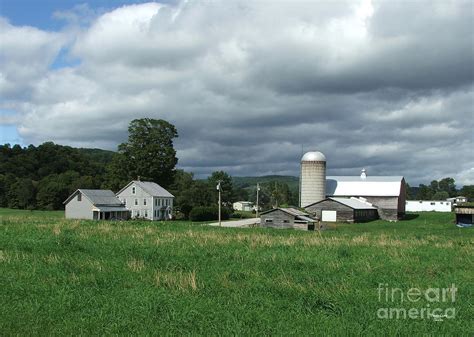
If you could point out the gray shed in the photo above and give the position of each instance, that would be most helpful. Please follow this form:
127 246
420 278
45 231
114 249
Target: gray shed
464 214
343 210
287 218
95 205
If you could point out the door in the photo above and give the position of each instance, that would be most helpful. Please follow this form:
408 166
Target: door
329 216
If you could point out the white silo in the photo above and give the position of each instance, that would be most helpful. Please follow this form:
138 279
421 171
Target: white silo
312 178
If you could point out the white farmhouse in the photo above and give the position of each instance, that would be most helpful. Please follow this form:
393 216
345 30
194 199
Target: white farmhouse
146 199
95 205
428 206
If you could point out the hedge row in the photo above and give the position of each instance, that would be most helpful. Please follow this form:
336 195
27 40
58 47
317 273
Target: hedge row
208 213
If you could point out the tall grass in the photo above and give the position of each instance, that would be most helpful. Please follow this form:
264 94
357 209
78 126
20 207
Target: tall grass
82 277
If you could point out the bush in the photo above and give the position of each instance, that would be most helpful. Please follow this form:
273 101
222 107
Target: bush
242 215
208 213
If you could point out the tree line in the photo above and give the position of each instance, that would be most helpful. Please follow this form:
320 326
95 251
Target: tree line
43 177
439 190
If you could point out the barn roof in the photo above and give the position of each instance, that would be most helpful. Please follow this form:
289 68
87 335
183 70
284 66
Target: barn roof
97 197
372 186
151 188
353 203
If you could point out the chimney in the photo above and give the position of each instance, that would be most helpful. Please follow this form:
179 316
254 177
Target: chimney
363 174
138 178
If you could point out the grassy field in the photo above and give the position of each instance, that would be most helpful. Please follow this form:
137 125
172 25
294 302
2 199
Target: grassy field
93 278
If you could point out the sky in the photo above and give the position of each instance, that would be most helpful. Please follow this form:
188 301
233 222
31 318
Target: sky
250 85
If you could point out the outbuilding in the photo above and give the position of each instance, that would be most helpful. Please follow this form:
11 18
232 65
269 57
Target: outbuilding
335 209
95 205
246 206
457 200
428 206
464 214
287 218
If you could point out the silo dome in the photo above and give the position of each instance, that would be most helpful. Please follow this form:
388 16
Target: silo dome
312 178
313 156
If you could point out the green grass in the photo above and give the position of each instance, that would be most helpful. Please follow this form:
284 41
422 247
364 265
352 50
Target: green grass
62 277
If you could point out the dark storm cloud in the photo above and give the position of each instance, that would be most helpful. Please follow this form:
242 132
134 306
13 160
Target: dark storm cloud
386 86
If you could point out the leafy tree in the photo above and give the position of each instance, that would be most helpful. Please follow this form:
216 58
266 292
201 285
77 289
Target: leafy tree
148 153
434 186
441 195
279 193
227 188
468 192
22 194
424 193
190 193
240 194
55 188
116 173
183 190
448 185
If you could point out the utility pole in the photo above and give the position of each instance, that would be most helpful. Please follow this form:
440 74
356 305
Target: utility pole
256 210
219 189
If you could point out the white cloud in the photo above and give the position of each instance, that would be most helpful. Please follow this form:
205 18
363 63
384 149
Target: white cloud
247 83
25 54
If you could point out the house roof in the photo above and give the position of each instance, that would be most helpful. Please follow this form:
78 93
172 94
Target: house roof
120 208
97 197
380 186
150 187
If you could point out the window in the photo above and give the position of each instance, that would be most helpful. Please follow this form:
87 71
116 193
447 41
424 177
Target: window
286 221
146 214
144 202
432 203
124 201
79 197
138 213
156 202
268 220
133 190
136 202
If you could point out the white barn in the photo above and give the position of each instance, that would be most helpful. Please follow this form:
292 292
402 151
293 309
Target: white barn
147 200
386 193
428 206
